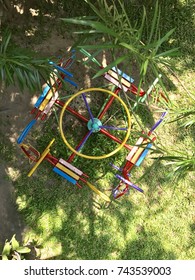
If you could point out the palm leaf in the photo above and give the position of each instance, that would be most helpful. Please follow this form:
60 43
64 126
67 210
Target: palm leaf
18 65
98 26
169 53
98 13
92 58
14 243
6 249
108 67
164 38
154 26
99 47
130 47
114 26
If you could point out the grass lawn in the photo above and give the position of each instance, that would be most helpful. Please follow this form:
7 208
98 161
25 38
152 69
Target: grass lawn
71 223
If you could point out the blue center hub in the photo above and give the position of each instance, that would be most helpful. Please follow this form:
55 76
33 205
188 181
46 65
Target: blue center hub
94 125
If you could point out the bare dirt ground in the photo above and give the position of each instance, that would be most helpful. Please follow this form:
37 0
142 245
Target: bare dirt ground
14 114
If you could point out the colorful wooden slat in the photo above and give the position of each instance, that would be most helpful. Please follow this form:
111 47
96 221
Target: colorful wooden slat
118 78
61 69
129 183
25 131
101 194
64 175
42 96
71 82
121 73
139 152
134 149
115 82
46 100
51 103
71 167
67 171
143 155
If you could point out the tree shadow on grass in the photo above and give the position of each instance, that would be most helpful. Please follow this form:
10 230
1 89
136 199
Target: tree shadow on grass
184 132
74 221
75 224
174 14
68 221
146 116
147 246
191 239
156 177
84 231
106 245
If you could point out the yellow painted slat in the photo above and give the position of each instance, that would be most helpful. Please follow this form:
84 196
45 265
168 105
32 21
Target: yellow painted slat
43 155
134 149
67 171
46 100
101 194
117 77
139 152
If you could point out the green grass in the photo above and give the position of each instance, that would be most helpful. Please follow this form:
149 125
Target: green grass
74 224
71 223
77 224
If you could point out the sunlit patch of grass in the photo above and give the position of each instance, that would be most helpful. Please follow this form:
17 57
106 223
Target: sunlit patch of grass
21 202
6 151
13 173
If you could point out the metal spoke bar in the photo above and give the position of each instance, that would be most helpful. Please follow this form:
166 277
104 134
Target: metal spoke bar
113 127
88 108
108 104
114 138
71 157
84 140
75 113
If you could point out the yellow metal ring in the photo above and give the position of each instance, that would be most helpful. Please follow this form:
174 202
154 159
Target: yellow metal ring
95 90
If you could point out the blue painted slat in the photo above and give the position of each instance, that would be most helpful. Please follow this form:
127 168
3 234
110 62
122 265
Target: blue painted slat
25 131
125 76
71 82
61 69
64 175
143 155
42 96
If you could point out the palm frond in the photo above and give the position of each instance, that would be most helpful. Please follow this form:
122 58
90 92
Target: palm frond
116 28
181 162
21 66
185 116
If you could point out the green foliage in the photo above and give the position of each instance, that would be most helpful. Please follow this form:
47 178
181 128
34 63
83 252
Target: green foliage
12 250
182 162
174 13
186 116
123 38
20 66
